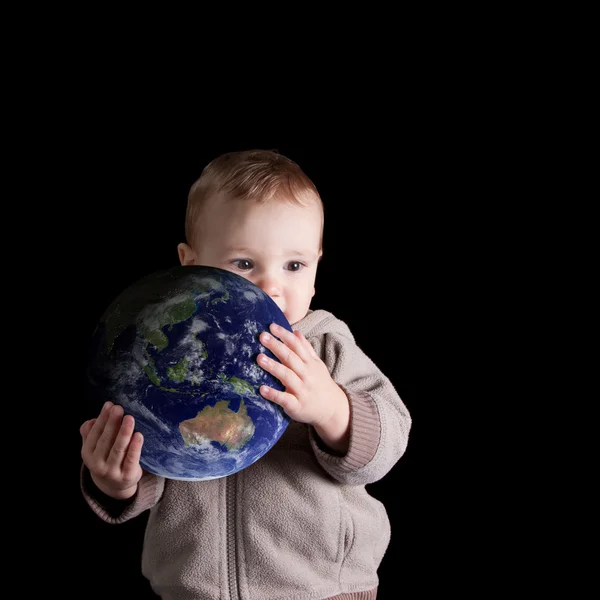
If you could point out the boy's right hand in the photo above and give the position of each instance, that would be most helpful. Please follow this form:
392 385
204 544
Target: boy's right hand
111 451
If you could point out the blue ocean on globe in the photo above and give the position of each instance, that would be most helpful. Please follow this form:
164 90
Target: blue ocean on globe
177 350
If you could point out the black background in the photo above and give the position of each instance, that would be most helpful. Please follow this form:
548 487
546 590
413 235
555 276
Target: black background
130 218
420 164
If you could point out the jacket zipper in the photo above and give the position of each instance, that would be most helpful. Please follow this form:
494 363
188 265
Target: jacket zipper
232 567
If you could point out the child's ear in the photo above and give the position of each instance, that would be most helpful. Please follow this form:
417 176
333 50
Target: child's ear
187 256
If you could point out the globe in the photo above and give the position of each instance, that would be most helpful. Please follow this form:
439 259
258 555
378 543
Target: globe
177 350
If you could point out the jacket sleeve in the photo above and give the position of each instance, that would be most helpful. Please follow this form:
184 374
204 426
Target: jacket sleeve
379 420
150 489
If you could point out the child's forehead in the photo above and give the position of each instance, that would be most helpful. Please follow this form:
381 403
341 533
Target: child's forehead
226 207
251 228
274 221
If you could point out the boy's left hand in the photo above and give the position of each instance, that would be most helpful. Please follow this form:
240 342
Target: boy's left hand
311 395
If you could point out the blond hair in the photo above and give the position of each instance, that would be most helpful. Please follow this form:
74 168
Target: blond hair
250 175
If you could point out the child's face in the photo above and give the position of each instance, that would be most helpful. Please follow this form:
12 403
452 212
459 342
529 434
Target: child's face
275 245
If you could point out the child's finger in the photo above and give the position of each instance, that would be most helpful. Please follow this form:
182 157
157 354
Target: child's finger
131 464
85 429
306 344
121 443
98 428
107 439
289 350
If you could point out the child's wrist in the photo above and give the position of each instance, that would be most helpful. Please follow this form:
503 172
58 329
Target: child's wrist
336 431
115 494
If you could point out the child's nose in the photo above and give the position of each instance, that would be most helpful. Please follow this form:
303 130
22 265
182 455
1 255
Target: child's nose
270 285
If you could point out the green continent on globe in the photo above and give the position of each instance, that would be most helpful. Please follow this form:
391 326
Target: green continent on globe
223 298
240 386
220 424
151 323
179 371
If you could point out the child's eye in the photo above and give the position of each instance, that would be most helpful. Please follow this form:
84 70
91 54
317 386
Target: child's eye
242 264
295 266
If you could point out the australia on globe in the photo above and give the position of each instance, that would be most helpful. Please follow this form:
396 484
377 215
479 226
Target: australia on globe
177 350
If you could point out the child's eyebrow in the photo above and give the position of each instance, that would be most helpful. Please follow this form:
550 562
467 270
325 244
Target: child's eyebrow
301 253
237 249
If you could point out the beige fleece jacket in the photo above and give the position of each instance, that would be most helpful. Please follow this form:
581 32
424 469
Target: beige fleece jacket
298 524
